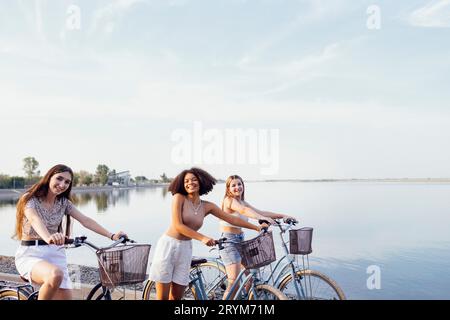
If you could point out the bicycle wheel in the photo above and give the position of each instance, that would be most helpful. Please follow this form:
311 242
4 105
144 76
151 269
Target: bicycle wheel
10 294
99 292
149 291
314 286
266 292
214 279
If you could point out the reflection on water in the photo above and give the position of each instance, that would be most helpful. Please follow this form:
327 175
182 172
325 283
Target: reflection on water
8 202
102 199
402 229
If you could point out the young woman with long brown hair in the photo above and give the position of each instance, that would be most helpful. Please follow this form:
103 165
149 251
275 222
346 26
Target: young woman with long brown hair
41 257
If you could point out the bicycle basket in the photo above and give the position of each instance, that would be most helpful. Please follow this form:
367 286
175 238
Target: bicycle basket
257 252
123 265
300 241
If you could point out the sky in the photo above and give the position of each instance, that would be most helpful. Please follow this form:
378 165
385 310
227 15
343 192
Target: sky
324 89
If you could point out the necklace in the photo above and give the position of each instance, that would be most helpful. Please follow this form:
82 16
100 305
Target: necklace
196 208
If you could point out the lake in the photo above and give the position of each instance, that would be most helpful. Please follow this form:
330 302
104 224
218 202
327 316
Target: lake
401 230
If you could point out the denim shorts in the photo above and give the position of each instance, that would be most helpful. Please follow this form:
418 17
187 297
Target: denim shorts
230 254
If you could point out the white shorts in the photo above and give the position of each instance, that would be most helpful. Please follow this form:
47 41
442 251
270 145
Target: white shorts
171 261
28 256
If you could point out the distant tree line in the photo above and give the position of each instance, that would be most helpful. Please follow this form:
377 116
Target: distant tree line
81 178
144 180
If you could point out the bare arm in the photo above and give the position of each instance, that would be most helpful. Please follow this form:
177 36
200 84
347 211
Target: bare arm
93 225
246 210
216 211
37 224
177 221
269 214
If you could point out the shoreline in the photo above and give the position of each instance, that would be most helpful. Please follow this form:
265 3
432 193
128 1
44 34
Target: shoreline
388 180
85 274
16 193
78 273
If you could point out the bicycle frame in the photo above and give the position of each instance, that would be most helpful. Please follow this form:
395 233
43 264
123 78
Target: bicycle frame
282 265
27 289
285 267
242 282
290 264
198 284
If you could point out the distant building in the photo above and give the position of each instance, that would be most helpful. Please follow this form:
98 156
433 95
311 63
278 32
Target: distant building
119 178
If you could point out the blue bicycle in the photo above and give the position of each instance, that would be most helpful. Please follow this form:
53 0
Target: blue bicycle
296 280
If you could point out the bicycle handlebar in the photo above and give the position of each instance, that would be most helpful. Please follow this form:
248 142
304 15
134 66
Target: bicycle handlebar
261 221
288 223
79 241
221 241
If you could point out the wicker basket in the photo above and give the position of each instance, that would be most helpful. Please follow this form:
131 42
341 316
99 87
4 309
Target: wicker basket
123 264
257 252
300 241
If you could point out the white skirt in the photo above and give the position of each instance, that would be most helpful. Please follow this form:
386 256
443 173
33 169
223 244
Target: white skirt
27 256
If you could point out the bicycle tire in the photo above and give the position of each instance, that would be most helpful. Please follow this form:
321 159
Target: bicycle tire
10 294
331 288
266 292
149 291
214 278
98 292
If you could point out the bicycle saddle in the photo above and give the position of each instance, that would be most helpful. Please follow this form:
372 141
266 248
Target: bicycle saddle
196 262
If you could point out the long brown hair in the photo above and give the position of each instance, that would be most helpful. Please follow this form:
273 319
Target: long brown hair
228 194
40 190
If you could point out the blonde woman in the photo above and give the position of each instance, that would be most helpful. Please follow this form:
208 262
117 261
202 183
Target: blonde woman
235 205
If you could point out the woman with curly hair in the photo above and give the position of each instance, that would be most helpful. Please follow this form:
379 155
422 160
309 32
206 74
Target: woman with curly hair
173 252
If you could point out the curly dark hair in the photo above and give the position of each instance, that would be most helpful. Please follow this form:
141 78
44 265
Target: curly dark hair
205 180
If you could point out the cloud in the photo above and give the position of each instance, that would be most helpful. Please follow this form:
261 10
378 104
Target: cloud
311 13
285 75
435 14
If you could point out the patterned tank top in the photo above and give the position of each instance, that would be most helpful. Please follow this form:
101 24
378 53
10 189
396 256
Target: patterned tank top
52 217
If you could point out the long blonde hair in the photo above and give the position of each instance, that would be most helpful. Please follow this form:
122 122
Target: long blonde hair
228 194
40 190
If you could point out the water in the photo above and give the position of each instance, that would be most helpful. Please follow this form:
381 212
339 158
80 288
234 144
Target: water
402 230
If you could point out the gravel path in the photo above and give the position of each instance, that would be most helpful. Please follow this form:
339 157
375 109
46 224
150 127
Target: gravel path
78 273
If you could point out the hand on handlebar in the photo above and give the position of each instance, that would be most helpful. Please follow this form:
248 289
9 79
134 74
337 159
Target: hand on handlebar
289 220
267 220
119 235
220 242
56 238
209 241
263 225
